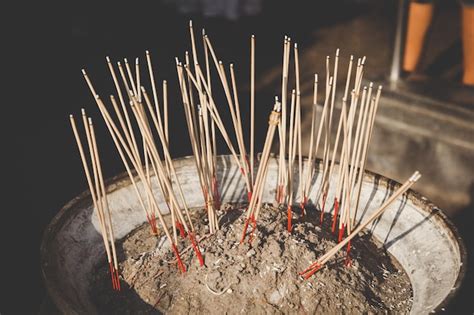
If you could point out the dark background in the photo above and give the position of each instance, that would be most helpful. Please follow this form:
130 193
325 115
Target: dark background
43 169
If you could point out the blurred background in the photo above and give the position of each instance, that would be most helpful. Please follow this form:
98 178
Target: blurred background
419 52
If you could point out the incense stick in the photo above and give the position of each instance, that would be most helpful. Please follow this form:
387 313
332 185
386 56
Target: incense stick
252 107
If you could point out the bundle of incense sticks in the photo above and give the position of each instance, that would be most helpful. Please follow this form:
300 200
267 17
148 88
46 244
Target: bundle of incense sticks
308 272
146 152
98 193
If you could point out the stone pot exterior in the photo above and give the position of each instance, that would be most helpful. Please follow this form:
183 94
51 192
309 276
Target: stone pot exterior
412 229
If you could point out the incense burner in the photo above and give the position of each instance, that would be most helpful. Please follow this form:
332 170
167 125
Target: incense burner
412 229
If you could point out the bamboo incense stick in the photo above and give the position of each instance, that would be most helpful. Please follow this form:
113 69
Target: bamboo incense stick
252 107
298 130
273 122
310 162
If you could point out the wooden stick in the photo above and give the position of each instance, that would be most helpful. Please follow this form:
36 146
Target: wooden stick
137 74
298 129
130 77
324 123
153 88
252 107
243 152
310 162
284 95
289 171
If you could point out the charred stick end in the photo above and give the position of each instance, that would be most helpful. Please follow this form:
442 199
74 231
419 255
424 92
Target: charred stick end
348 261
180 227
312 272
341 233
181 266
334 218
112 275
254 227
196 249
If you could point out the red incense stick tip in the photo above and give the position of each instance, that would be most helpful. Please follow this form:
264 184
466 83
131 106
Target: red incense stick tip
341 233
181 266
152 221
334 218
154 226
313 271
249 196
309 268
196 249
290 215
348 261
117 279
254 227
244 231
181 229
277 197
112 276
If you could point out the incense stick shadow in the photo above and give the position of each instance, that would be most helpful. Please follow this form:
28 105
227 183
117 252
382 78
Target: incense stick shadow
320 191
230 217
388 192
313 181
227 179
371 197
397 215
405 233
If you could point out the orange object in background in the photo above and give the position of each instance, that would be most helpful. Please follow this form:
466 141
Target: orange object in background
468 44
419 20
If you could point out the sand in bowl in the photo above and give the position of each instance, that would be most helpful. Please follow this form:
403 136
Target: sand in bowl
260 278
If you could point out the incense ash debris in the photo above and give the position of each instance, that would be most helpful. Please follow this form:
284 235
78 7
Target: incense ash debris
261 277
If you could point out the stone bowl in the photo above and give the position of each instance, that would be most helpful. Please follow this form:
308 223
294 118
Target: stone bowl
412 229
